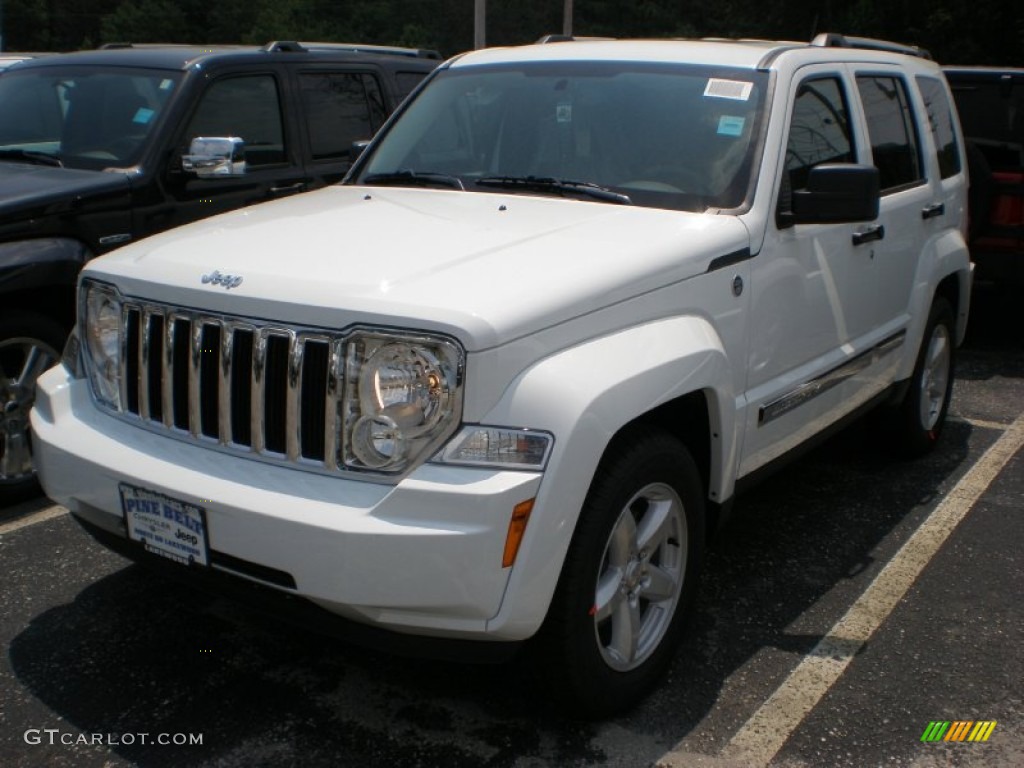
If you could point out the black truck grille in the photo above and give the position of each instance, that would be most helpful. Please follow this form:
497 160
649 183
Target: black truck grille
251 387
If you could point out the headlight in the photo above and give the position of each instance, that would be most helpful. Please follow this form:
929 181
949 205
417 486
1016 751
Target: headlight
100 326
402 398
71 357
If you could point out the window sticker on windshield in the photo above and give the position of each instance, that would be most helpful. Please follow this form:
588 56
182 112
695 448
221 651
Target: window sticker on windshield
728 89
730 125
143 116
166 84
563 113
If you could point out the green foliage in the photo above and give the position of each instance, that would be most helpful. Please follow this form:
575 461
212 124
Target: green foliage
146 21
961 31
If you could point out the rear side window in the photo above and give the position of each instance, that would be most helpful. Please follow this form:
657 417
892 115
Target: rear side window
940 118
341 107
894 142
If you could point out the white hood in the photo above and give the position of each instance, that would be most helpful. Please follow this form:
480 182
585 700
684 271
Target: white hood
485 268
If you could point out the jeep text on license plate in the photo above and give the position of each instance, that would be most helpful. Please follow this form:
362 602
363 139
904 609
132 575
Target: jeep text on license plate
165 526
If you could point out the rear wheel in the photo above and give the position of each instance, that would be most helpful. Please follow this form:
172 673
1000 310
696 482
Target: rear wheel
920 418
629 576
29 345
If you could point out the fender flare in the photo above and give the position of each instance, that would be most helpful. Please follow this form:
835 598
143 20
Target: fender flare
41 262
946 255
584 396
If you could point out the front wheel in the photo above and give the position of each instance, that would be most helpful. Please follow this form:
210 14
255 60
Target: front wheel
629 576
29 344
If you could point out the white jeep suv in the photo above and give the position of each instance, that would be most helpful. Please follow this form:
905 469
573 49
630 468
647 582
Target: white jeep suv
505 380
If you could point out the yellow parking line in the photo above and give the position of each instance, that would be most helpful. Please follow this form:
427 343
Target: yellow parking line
982 423
38 517
763 735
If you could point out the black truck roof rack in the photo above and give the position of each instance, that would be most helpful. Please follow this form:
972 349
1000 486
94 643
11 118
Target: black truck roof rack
293 46
835 40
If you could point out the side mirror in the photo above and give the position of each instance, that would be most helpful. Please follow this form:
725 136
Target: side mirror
358 147
837 193
215 157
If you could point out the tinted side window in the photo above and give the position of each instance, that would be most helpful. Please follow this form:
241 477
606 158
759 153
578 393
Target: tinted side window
894 142
248 107
340 108
992 116
818 133
940 118
407 81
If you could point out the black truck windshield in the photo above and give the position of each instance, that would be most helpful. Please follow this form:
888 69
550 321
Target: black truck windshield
88 119
665 136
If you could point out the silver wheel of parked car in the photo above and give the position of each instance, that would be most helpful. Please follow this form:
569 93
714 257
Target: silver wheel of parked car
913 426
629 575
935 376
640 577
26 351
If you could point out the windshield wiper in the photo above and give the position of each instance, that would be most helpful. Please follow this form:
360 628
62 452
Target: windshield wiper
545 184
415 178
36 158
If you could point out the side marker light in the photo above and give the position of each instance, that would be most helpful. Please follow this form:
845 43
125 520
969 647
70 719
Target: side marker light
516 529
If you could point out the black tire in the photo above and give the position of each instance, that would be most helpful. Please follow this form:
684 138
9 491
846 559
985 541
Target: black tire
626 585
919 419
30 343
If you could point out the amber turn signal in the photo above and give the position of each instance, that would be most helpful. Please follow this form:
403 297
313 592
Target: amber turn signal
516 529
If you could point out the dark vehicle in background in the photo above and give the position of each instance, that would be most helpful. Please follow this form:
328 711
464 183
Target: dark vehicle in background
990 101
10 58
101 148
7 60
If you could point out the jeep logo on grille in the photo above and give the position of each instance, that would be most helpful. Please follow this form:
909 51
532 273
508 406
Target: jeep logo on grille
228 281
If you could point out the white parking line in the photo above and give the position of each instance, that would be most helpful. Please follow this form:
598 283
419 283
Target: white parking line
982 423
38 517
762 736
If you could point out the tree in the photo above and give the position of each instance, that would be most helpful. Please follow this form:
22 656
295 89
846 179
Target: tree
961 31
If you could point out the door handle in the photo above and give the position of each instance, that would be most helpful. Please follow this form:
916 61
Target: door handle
933 210
297 187
874 232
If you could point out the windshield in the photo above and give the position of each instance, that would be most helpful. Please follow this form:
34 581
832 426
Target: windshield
92 119
662 136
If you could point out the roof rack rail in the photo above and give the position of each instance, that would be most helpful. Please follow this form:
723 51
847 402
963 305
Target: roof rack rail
283 46
123 45
835 40
567 39
292 46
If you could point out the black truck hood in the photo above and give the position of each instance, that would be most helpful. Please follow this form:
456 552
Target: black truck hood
31 194
25 185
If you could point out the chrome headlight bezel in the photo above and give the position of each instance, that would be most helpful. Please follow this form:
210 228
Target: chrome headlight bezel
402 399
102 344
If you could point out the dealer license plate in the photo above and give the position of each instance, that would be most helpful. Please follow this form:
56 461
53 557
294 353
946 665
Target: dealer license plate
165 526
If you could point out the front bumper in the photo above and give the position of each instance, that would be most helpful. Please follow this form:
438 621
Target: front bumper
421 557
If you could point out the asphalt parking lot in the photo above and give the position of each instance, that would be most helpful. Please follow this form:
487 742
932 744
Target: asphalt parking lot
851 603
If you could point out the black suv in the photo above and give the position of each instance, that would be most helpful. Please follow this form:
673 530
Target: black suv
100 148
990 101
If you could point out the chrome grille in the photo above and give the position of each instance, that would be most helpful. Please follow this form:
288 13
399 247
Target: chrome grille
254 388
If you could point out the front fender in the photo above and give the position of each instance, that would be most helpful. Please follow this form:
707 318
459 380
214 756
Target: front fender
584 395
42 262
